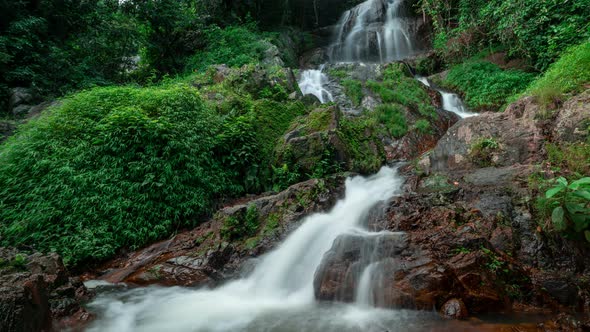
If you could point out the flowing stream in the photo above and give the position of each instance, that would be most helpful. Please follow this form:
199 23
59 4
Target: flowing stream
278 295
451 101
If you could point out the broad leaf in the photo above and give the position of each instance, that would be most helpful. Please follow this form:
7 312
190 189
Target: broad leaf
587 235
582 193
580 222
562 181
554 191
583 181
557 218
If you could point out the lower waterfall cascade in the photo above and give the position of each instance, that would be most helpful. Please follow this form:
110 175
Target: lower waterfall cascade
278 290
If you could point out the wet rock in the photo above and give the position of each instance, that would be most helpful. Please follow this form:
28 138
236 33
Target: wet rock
516 132
454 309
338 275
36 291
205 256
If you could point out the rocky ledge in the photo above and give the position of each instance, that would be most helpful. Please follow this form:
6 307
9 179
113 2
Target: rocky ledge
465 238
224 246
37 293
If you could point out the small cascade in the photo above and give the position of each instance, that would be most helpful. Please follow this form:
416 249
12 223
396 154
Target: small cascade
451 101
374 31
364 292
280 289
312 82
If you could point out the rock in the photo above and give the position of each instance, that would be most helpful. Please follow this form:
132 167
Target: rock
36 291
204 256
314 140
313 58
221 72
6 129
454 309
271 55
573 120
339 274
516 132
20 96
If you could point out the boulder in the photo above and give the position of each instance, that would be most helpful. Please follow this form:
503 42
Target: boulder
573 120
36 292
206 255
454 309
517 136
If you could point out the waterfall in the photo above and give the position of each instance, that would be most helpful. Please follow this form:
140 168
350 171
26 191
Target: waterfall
374 31
451 101
279 288
312 82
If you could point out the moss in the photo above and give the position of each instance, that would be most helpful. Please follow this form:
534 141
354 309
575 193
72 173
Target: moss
241 225
392 117
363 147
354 90
338 73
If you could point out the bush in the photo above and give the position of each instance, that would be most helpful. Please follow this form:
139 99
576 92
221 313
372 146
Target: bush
485 85
482 150
568 75
423 126
234 46
110 168
354 90
530 29
393 118
569 205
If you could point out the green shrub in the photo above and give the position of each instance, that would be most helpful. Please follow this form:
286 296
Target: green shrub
530 29
110 168
481 151
569 74
569 203
393 118
423 126
354 90
485 85
234 46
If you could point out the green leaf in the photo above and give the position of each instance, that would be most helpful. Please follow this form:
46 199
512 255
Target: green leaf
587 235
580 222
562 181
582 193
554 191
557 218
581 182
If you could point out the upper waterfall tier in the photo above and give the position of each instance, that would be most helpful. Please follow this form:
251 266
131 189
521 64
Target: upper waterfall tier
375 31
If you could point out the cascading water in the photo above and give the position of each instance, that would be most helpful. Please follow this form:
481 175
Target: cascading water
374 31
312 82
451 102
278 295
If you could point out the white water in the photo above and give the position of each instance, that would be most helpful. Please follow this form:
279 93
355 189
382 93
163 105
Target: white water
280 285
364 292
375 30
451 101
312 82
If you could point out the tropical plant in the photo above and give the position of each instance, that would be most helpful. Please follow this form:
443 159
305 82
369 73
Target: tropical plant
570 205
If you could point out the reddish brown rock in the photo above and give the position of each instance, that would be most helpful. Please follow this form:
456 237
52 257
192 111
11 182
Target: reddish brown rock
36 291
203 256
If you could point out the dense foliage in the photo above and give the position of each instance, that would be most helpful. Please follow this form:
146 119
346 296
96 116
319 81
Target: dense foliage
111 167
569 203
536 30
485 85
